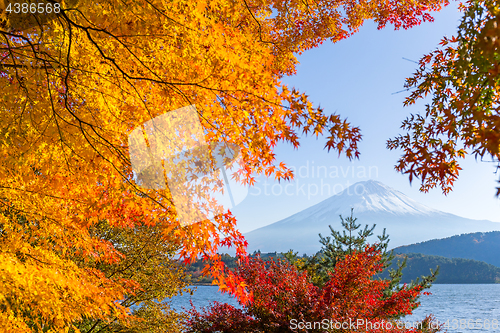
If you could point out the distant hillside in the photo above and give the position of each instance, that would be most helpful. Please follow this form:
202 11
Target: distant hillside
451 270
454 271
482 246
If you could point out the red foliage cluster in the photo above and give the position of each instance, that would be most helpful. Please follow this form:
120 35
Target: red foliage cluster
284 300
221 317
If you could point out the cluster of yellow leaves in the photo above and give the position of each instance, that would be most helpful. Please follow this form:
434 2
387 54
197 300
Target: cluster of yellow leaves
148 259
38 288
76 86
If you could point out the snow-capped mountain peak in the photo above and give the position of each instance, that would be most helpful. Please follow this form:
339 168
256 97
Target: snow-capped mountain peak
365 197
374 196
406 220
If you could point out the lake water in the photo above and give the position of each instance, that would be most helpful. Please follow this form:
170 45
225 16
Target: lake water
464 307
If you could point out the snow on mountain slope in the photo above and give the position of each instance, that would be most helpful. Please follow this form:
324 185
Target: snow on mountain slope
373 196
367 196
406 220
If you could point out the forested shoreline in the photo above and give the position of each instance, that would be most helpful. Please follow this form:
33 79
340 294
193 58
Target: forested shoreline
452 270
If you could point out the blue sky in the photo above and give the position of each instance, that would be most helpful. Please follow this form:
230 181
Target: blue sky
356 78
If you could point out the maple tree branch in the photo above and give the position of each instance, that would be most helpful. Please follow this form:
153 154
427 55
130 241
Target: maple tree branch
55 115
94 326
168 18
25 66
259 25
36 259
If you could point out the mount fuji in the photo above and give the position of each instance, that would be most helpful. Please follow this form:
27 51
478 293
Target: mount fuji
406 221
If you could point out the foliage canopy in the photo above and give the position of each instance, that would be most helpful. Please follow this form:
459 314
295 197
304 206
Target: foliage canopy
462 77
75 86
